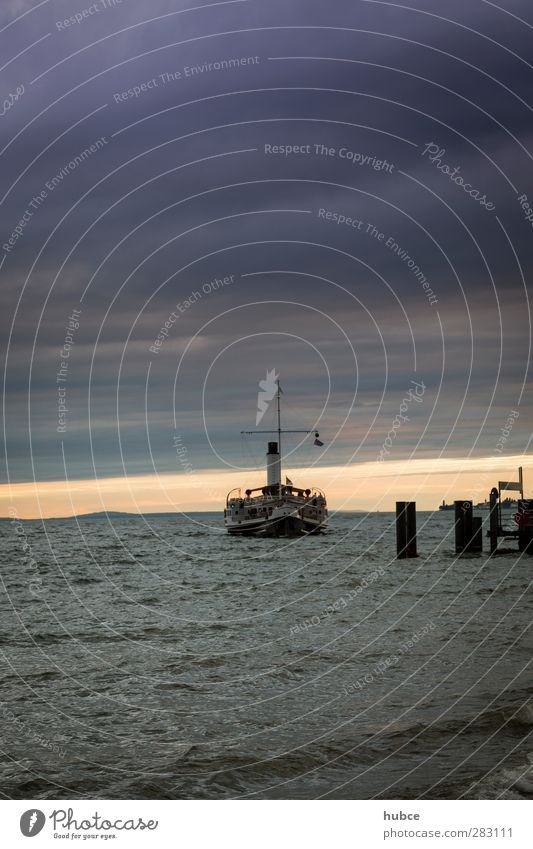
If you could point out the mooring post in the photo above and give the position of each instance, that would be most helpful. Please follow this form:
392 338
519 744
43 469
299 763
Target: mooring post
525 539
525 525
406 529
494 519
468 536
467 529
463 525
476 543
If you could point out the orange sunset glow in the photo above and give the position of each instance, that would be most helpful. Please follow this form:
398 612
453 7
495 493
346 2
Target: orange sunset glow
366 486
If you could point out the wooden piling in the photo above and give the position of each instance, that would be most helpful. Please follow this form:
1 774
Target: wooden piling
525 540
476 543
463 525
525 526
468 537
406 529
494 519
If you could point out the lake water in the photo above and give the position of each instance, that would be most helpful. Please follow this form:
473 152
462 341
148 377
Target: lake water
161 658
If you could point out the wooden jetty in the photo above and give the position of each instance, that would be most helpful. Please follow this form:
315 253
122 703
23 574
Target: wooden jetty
469 528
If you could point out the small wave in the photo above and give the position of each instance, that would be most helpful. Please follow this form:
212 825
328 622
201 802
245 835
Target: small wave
86 580
175 685
517 714
511 782
523 716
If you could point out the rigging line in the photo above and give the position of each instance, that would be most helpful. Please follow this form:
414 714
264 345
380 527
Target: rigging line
252 459
245 451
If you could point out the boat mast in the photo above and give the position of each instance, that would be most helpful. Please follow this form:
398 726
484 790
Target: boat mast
279 425
279 430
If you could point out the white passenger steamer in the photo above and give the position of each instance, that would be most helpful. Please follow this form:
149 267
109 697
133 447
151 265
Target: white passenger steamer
276 509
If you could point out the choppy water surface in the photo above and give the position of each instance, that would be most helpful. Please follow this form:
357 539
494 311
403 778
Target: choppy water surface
160 658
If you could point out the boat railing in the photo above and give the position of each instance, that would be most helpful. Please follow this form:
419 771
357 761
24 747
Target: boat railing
236 499
230 494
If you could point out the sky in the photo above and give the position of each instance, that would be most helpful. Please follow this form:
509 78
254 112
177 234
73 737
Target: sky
196 194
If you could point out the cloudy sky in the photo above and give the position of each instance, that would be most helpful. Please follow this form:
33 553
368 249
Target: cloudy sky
337 191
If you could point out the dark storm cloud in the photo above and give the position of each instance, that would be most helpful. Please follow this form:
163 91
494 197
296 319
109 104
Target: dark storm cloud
417 80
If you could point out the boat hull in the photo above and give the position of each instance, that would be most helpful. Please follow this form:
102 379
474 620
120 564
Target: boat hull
284 526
